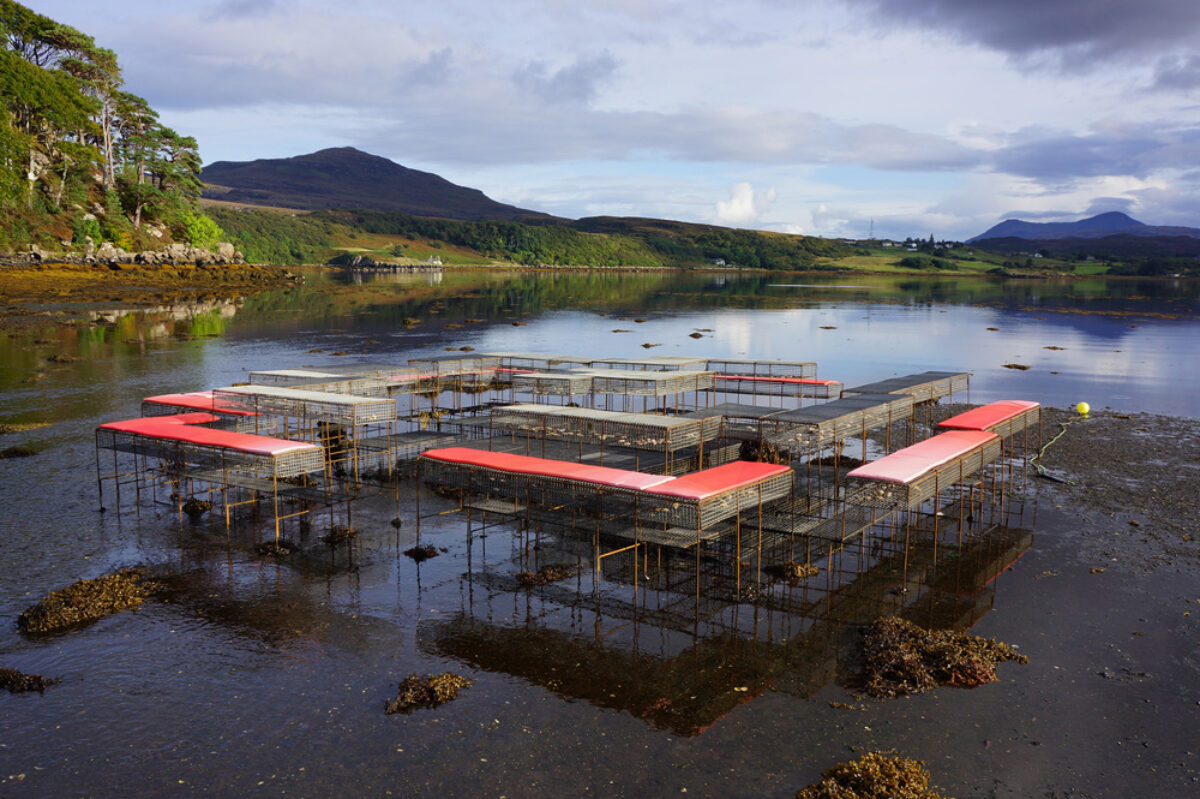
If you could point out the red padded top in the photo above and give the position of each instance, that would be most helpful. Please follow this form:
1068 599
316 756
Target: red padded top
544 467
148 424
906 465
987 416
807 381
719 479
199 400
182 427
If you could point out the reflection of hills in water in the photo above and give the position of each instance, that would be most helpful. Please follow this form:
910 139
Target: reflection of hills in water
398 301
645 654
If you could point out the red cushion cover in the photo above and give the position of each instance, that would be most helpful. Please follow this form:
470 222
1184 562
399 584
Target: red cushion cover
906 465
718 480
986 416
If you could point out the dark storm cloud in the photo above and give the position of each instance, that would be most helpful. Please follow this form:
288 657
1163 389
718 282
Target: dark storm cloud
1073 33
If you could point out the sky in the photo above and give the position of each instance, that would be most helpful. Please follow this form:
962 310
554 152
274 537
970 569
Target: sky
823 117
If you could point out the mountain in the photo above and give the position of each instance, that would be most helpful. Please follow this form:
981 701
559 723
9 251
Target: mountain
1110 224
346 178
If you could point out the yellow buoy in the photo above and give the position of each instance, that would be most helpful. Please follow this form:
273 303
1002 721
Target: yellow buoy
1082 408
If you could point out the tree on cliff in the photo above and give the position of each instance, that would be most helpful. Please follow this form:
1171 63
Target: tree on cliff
74 145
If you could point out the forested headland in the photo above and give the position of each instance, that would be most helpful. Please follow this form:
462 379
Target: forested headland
84 162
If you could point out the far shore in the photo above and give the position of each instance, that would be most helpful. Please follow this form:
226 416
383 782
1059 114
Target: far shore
38 294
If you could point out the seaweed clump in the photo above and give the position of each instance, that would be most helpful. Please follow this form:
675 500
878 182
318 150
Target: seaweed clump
873 776
337 534
793 571
902 658
431 691
761 451
18 683
195 507
420 554
88 600
547 574
17 452
280 549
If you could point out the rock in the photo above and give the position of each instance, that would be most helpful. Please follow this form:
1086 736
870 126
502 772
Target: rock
226 251
110 254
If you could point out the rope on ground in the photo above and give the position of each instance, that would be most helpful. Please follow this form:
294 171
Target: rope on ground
1041 470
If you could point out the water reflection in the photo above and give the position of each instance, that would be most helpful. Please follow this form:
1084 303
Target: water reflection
681 663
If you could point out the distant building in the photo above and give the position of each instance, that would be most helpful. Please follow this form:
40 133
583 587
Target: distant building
718 261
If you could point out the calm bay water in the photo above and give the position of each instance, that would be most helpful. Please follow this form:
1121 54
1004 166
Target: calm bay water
268 678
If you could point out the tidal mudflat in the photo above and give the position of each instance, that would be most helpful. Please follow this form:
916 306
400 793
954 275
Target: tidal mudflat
271 675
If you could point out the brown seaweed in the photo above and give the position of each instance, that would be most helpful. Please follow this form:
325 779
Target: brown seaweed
195 507
431 691
280 549
420 554
337 534
88 600
547 574
902 658
17 452
17 682
792 571
873 776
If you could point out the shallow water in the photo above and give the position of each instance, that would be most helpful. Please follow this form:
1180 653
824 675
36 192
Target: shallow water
269 678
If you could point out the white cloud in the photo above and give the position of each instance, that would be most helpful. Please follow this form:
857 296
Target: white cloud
745 206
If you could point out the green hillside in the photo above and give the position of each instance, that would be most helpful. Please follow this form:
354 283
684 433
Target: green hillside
279 237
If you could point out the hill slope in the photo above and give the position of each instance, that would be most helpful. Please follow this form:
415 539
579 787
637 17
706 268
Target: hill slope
343 177
1109 224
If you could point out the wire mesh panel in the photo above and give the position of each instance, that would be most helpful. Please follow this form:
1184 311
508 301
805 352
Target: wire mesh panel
653 363
923 387
633 383
807 387
609 428
557 384
295 403
536 361
759 368
739 421
290 377
824 425
456 364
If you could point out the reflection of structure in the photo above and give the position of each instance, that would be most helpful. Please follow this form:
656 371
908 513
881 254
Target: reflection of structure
681 672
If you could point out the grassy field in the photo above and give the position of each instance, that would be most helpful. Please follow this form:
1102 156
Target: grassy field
885 260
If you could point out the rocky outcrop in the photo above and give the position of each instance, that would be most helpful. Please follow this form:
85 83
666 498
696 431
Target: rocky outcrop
111 255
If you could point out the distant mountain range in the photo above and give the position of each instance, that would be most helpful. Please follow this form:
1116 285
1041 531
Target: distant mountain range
346 178
1110 224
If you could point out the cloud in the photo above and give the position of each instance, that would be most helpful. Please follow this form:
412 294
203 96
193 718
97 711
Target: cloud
744 206
1177 73
576 83
239 9
1073 34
